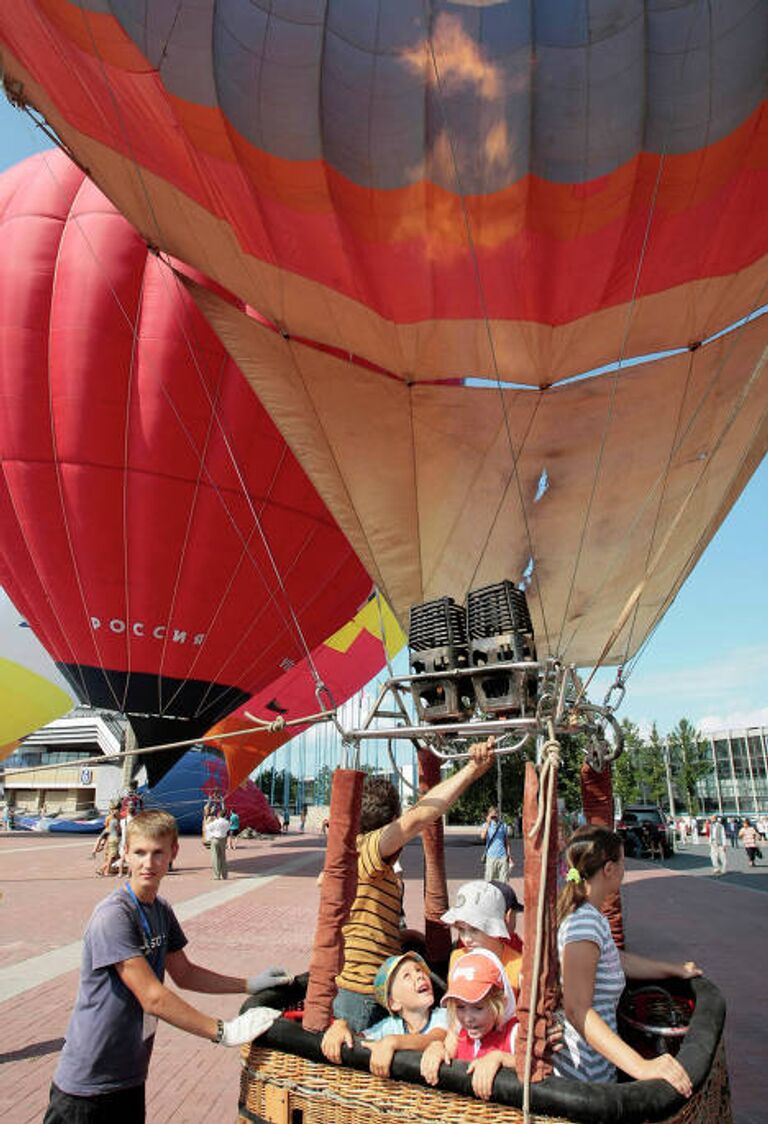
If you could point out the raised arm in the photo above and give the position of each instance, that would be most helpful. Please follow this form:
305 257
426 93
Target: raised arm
437 801
580 960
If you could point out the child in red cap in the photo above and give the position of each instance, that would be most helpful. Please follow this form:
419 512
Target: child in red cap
481 1004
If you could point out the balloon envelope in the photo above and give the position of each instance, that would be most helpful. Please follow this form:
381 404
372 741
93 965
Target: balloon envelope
520 193
32 691
185 788
157 533
345 662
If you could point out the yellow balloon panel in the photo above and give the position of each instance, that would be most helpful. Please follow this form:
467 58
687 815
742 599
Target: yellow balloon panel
27 701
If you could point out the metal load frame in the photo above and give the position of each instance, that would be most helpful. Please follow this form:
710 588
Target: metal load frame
561 702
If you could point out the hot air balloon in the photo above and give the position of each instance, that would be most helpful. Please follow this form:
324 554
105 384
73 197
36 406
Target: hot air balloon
344 662
158 535
495 270
32 692
517 194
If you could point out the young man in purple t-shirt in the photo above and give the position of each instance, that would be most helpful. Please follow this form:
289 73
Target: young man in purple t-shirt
132 937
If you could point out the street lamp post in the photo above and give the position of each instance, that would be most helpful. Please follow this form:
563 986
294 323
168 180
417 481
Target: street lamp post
668 775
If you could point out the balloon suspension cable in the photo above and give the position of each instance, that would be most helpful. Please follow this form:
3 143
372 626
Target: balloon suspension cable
261 727
547 788
16 96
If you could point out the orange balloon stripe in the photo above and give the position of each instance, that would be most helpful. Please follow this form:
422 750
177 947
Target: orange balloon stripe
547 252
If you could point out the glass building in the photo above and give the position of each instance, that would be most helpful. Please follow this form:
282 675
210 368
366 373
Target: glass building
738 782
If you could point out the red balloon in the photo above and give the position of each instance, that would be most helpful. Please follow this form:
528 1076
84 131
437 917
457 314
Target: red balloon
157 533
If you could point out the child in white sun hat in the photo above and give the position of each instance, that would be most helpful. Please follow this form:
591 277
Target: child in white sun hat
484 916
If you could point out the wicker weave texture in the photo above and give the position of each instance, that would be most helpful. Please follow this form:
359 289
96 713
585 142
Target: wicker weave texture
327 1094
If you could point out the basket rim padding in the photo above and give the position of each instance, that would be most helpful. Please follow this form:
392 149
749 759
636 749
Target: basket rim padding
632 1102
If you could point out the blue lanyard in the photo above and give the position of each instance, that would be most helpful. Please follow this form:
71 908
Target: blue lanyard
154 954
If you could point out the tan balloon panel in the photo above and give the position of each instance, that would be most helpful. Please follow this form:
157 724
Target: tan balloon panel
421 478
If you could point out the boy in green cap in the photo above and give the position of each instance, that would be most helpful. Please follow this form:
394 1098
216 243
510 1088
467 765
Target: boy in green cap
403 986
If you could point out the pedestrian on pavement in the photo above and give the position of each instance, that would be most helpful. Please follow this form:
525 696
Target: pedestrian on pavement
717 845
111 832
216 832
234 829
132 936
497 855
748 836
303 817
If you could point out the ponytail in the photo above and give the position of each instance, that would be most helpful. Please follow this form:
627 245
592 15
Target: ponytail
589 849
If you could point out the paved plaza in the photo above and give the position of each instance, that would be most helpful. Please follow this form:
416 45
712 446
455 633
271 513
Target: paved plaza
265 914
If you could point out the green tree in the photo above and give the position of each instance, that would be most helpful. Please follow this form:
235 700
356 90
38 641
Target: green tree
627 767
473 805
689 759
653 771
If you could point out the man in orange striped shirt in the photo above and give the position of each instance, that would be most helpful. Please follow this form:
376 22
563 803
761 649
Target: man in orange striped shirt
373 930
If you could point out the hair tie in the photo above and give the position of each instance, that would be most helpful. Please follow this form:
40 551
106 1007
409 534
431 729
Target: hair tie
573 875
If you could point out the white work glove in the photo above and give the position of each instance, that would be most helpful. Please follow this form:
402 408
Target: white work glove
248 1026
272 977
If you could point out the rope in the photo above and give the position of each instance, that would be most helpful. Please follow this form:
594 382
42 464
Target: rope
659 555
264 727
547 782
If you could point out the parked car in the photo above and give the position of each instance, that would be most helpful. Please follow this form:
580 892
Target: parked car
640 823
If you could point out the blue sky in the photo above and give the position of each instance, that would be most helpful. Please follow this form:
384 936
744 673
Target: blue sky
708 660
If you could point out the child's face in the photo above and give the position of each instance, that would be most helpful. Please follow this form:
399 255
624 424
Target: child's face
471 938
476 1018
410 989
148 861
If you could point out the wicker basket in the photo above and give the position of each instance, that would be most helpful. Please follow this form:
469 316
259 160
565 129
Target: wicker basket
286 1081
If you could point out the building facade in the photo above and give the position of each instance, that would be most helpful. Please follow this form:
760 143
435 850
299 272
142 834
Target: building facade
738 783
66 785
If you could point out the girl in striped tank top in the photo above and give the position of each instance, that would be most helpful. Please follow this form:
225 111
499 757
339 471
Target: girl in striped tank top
593 970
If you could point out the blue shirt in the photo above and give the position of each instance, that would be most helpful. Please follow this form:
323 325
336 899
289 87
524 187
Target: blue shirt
496 841
438 1017
109 1041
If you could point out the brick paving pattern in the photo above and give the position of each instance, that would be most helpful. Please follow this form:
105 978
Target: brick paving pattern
675 910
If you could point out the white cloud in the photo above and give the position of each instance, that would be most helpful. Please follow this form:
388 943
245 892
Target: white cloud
735 720
725 689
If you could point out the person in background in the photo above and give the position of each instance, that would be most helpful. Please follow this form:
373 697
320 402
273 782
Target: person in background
112 840
717 845
216 832
234 829
303 817
498 857
748 837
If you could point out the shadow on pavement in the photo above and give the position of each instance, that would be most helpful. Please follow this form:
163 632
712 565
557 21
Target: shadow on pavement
34 1050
